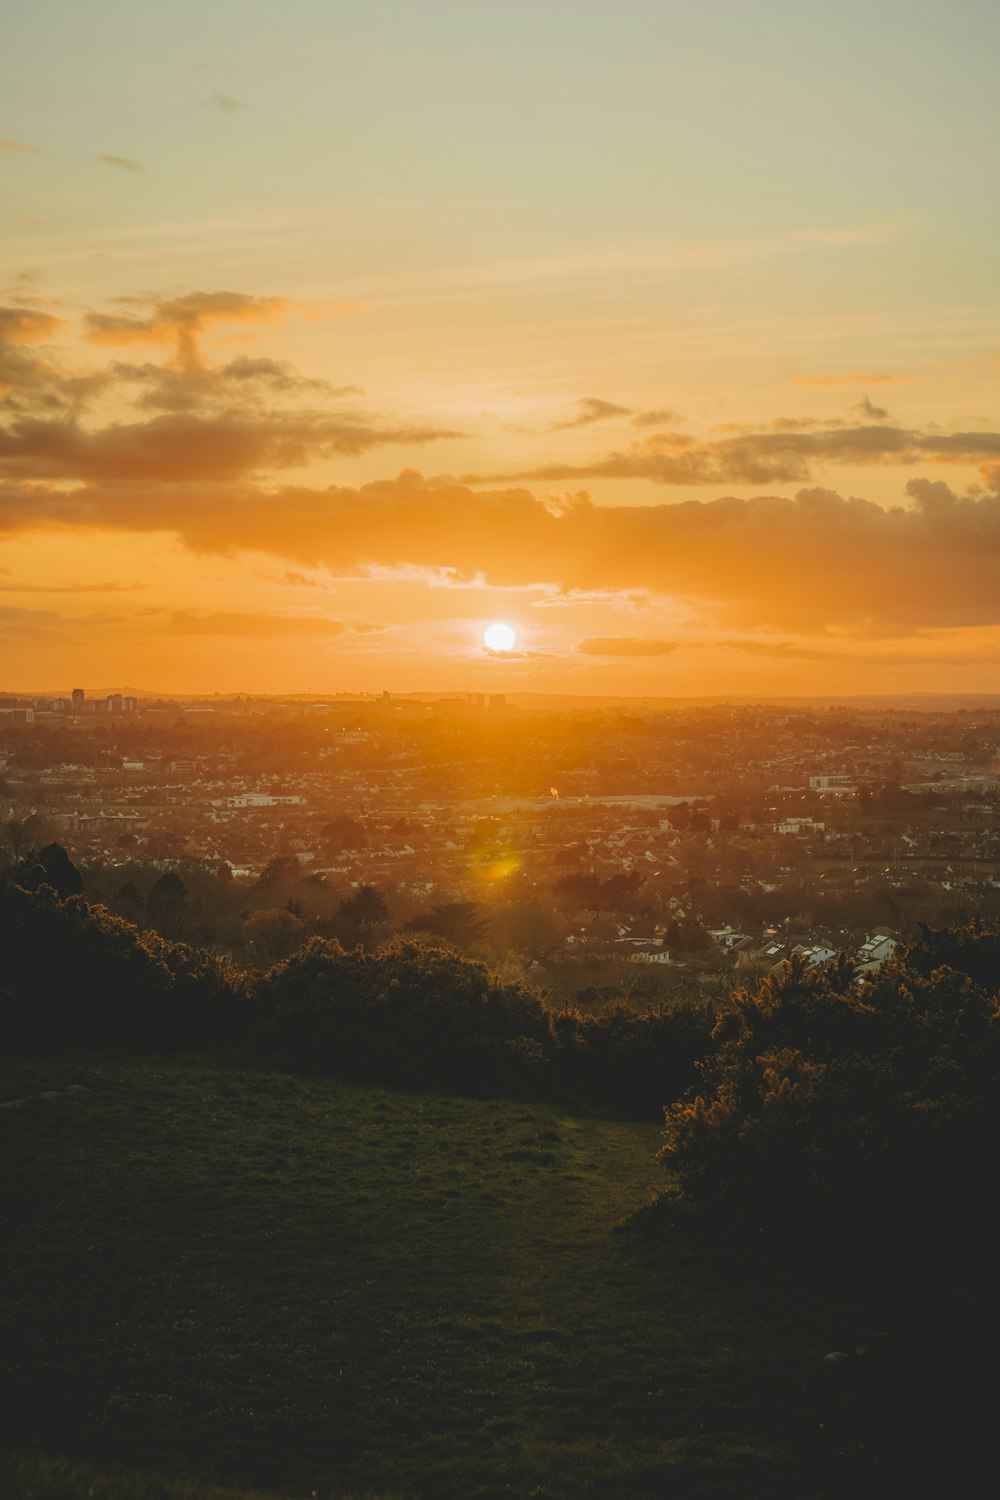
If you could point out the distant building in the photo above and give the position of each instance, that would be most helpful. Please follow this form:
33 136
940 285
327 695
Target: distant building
263 799
874 952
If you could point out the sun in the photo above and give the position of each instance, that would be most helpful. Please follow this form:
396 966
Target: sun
499 637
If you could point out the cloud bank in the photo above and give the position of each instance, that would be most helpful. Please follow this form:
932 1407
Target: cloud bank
814 562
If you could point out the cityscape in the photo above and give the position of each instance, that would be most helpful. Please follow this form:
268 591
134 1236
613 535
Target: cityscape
634 850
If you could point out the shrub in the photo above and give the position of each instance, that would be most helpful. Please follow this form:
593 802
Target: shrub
847 1108
76 975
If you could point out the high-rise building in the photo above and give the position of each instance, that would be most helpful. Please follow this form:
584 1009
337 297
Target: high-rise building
78 697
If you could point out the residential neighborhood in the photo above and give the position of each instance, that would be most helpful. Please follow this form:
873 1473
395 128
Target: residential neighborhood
622 850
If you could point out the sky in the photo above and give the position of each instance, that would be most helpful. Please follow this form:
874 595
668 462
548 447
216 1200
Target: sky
332 332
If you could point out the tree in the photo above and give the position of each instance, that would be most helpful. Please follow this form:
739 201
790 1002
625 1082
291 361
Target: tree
167 905
366 908
274 934
342 833
284 869
52 866
458 922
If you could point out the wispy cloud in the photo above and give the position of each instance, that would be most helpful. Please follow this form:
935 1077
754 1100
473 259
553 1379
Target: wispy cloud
226 102
125 162
659 418
782 453
17 146
591 409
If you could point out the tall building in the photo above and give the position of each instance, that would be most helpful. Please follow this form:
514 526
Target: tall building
78 698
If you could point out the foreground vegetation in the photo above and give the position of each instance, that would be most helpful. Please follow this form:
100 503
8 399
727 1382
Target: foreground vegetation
319 1282
297 1284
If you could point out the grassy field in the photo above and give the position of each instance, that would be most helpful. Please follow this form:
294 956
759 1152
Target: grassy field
283 1284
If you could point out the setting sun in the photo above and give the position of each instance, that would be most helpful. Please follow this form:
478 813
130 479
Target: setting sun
500 636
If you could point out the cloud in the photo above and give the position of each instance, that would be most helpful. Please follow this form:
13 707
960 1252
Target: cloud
196 385
625 645
808 564
178 320
19 325
124 162
857 377
658 418
29 380
591 409
18 146
226 102
210 423
868 409
185 448
782 453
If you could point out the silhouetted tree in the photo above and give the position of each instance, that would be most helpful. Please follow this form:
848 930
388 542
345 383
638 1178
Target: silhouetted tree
458 922
52 866
366 907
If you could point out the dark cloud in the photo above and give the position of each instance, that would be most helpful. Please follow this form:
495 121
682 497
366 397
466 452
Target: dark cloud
781 454
184 447
590 409
803 564
226 102
165 388
30 381
22 325
869 410
659 418
213 423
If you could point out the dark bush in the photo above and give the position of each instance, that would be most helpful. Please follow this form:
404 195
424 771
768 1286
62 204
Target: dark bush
408 1015
862 1111
76 975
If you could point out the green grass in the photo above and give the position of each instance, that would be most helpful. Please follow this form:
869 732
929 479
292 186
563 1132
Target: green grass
255 1280
42 1478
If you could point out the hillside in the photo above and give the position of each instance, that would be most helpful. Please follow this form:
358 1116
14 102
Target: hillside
291 1284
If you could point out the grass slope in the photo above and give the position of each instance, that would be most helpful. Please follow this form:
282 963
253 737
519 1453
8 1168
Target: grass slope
281 1283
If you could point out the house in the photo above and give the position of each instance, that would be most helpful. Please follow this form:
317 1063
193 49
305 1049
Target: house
874 952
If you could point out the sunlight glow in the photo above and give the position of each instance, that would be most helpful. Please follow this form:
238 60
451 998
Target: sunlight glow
500 637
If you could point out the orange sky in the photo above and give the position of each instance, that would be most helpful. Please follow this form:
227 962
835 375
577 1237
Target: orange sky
301 388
